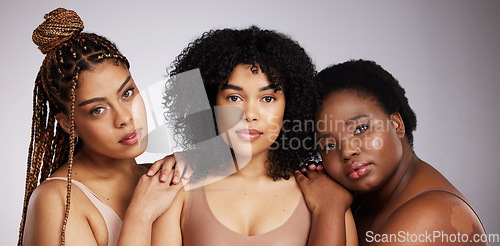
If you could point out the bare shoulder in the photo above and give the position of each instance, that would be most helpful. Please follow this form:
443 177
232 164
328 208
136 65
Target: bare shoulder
49 194
45 212
433 213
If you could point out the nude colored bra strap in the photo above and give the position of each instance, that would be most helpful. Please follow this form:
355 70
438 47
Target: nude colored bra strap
111 219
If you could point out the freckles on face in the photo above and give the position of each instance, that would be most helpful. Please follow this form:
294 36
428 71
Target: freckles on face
358 143
250 111
110 115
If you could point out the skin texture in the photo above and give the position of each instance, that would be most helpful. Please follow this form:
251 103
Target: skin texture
242 199
103 163
398 189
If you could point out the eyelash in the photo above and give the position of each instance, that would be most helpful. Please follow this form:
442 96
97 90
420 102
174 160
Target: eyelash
329 147
360 129
230 98
267 99
94 110
132 89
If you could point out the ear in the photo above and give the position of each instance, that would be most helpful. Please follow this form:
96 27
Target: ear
63 121
398 124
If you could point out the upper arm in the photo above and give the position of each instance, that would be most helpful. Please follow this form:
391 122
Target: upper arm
45 215
167 228
350 229
433 219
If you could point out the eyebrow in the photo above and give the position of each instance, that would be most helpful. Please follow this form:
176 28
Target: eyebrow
237 88
124 84
229 86
97 99
359 116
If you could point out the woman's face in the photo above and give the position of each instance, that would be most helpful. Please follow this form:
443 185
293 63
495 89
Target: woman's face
256 123
361 147
110 115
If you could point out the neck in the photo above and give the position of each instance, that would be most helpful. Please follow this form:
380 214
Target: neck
384 195
104 166
253 167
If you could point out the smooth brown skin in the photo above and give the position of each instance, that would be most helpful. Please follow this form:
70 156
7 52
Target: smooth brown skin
102 164
393 189
328 211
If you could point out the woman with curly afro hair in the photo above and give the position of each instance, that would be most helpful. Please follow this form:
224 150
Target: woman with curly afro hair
259 75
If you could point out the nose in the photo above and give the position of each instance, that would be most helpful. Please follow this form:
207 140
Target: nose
123 116
251 112
349 147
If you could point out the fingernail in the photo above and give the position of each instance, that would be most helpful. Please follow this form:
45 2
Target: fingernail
163 177
150 173
176 180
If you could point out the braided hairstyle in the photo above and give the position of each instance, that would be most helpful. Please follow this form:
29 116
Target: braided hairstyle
68 52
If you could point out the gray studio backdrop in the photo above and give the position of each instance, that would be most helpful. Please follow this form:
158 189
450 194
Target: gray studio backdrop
445 53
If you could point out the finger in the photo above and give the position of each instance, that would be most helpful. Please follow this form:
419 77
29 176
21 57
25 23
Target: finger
167 177
188 172
312 174
312 167
300 178
166 169
178 187
155 167
177 174
303 168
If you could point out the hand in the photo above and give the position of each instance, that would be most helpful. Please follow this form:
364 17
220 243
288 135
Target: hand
152 196
181 170
313 166
321 191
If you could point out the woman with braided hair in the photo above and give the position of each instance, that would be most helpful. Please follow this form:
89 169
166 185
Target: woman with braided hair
89 124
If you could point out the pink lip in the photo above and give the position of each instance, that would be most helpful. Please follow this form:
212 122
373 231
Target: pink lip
249 134
357 170
132 137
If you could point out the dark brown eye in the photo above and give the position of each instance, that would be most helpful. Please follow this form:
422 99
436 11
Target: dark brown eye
268 99
128 93
233 98
360 129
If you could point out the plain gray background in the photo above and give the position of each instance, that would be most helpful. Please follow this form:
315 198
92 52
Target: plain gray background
445 53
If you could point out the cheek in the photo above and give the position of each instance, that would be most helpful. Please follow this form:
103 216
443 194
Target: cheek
92 131
227 117
273 120
139 113
332 167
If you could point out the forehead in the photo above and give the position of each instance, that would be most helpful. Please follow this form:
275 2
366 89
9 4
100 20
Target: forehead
247 78
106 76
344 104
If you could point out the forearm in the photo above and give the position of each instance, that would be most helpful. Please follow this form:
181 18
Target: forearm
327 228
136 230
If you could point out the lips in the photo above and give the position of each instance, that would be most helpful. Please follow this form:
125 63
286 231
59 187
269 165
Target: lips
357 170
132 137
249 134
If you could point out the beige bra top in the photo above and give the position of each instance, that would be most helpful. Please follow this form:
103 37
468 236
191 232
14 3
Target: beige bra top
112 220
201 227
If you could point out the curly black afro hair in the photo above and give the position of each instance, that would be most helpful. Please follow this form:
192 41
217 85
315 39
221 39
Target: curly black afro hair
287 67
368 77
